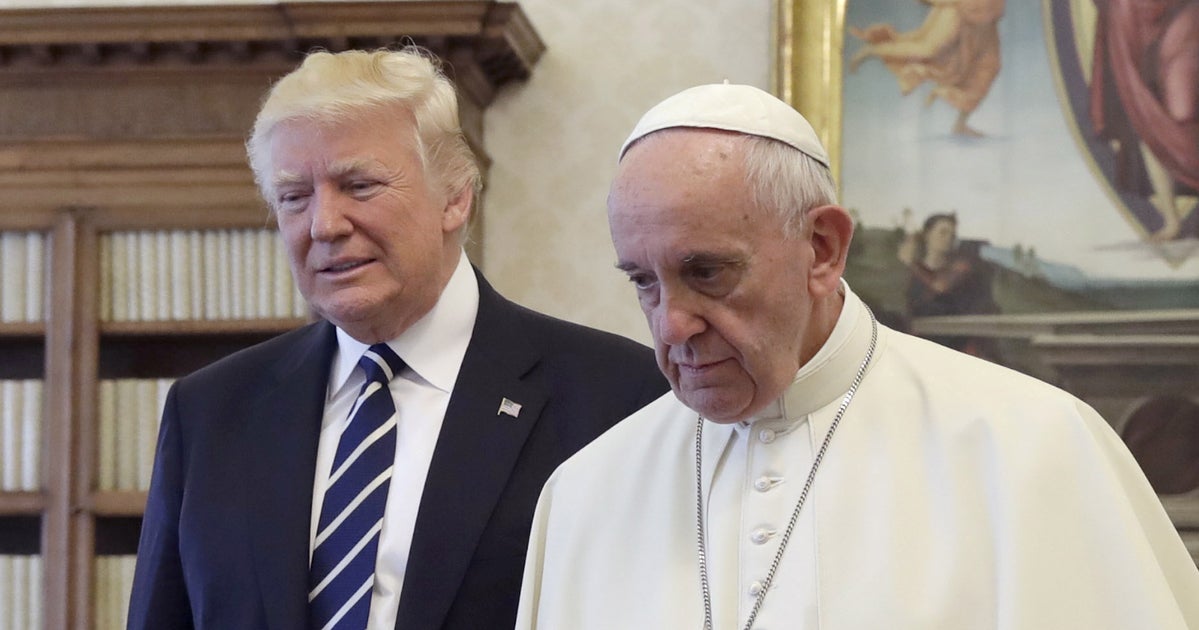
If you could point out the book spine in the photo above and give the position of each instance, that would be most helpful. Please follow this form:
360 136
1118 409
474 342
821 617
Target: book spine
11 440
106 456
224 297
249 273
35 282
263 276
237 274
212 283
180 287
12 276
133 276
196 273
147 430
105 244
6 592
127 442
35 591
20 591
102 604
31 432
281 286
126 565
119 274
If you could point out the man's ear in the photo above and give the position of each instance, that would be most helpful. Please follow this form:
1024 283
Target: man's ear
457 210
831 230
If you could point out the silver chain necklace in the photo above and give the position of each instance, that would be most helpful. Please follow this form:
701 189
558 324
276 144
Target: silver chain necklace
778 556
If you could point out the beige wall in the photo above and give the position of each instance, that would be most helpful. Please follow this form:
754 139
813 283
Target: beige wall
554 139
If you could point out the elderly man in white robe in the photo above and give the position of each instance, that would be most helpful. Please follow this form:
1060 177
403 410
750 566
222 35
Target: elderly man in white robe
812 468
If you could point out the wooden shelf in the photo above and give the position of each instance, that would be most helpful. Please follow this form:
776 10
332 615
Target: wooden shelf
200 327
21 503
22 329
116 503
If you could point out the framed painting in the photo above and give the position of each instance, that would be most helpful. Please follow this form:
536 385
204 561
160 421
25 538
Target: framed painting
1024 178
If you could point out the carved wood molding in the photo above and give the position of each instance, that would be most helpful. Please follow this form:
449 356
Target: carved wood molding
128 184
138 114
489 42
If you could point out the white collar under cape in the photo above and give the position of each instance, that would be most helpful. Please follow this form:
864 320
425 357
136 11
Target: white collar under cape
828 375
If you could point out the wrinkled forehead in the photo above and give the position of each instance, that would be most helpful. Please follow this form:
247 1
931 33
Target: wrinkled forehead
682 181
682 169
683 155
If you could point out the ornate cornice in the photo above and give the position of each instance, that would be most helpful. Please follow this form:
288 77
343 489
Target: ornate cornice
488 43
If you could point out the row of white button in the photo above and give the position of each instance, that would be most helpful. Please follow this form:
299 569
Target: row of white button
764 483
761 535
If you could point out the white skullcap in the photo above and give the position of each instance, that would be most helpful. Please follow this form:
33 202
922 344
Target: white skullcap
741 108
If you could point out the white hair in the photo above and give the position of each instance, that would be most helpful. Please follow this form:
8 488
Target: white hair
787 181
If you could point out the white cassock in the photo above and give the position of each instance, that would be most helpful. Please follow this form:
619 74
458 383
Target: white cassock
955 495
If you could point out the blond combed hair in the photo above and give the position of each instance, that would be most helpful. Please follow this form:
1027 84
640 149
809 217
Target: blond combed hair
334 87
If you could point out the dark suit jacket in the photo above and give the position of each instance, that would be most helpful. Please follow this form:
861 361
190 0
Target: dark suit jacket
224 542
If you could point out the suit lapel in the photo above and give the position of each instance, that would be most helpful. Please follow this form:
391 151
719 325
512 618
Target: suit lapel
475 454
280 445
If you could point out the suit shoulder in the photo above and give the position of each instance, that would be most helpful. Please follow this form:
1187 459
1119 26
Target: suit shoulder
563 336
262 357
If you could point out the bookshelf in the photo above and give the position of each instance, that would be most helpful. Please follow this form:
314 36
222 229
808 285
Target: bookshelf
123 127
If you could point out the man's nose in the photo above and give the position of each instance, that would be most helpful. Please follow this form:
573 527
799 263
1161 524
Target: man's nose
330 215
679 317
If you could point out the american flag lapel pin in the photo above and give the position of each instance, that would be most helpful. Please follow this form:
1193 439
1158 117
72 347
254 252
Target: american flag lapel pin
509 407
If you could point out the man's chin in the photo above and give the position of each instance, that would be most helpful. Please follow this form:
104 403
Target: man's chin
355 318
712 406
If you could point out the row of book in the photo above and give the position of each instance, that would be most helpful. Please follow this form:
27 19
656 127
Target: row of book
114 583
20 592
129 413
196 275
22 276
20 435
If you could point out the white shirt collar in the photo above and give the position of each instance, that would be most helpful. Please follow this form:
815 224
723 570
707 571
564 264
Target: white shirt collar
432 347
828 375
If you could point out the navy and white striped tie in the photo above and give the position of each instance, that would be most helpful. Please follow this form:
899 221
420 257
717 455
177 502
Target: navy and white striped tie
347 539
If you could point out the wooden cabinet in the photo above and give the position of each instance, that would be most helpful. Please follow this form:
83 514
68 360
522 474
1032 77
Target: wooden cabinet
73 518
131 120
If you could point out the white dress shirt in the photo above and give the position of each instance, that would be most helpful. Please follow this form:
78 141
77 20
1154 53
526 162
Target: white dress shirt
432 349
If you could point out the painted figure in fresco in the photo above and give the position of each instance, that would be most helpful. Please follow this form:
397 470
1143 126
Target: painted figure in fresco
956 48
1145 100
947 278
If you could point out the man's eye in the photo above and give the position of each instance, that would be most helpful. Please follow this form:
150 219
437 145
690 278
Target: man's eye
291 199
641 281
362 186
714 280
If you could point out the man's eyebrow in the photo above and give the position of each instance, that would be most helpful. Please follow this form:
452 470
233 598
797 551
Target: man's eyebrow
351 166
286 178
713 258
626 266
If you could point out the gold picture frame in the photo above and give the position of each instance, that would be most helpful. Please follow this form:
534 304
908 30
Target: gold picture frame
809 36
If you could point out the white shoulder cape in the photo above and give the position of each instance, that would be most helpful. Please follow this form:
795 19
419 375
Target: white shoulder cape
956 495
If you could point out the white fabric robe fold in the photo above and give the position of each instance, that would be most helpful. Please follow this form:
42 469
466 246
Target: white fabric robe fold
955 495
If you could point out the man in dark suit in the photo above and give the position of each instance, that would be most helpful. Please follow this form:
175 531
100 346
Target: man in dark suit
450 403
